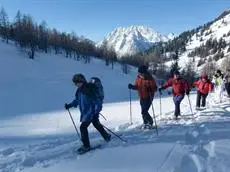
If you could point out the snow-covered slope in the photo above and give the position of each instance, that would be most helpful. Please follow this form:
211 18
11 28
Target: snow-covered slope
210 42
133 39
37 135
171 36
218 29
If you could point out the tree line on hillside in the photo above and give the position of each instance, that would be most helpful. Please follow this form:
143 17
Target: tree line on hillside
178 44
211 47
32 37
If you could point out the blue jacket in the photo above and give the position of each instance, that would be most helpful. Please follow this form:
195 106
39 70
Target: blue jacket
87 102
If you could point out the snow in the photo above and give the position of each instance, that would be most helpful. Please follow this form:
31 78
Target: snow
133 39
216 30
37 134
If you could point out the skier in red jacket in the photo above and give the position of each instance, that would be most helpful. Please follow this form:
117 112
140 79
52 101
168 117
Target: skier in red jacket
204 86
179 88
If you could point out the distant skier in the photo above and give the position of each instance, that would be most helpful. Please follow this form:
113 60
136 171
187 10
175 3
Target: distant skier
87 100
218 81
204 86
227 81
179 87
146 86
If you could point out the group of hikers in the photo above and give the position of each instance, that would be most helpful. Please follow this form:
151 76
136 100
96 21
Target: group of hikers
89 97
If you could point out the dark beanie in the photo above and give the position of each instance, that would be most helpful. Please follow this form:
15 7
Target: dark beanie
79 78
218 71
176 72
143 69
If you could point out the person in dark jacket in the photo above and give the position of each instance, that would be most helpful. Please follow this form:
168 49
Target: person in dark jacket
146 87
227 81
86 99
179 88
204 86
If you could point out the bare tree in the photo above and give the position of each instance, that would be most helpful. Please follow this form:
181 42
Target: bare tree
189 72
4 24
225 65
209 68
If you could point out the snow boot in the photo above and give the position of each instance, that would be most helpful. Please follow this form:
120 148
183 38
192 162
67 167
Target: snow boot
108 138
83 149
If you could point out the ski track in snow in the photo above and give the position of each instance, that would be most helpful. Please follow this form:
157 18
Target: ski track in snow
197 142
194 135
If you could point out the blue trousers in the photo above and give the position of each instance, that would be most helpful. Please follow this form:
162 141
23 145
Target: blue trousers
177 100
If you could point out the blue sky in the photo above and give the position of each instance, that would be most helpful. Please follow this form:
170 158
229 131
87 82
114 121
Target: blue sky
94 19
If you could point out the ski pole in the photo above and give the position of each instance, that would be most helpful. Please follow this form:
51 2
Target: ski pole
130 104
160 105
154 118
190 104
74 124
115 134
103 116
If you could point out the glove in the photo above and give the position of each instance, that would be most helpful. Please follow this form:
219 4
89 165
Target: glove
67 106
187 92
160 89
130 86
149 89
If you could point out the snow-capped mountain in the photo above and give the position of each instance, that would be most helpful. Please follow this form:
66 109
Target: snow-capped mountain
131 40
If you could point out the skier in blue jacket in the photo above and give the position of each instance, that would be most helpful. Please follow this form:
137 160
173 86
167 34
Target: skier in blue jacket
90 108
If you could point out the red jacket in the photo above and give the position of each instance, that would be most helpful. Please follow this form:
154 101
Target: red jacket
146 86
179 86
203 87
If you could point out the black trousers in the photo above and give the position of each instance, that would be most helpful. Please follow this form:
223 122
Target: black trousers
227 86
201 97
145 105
84 131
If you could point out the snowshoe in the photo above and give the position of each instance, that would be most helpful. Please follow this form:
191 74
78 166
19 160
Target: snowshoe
198 108
148 127
176 118
108 138
83 149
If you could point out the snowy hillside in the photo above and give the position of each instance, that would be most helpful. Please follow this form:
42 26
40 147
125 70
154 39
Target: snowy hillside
36 133
210 42
217 29
133 39
171 36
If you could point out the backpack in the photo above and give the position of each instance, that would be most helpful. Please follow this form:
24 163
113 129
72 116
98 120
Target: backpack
97 88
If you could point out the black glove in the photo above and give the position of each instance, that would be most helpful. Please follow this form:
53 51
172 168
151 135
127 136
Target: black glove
149 89
160 89
67 106
187 92
130 86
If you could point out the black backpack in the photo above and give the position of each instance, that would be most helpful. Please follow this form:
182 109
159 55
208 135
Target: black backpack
98 88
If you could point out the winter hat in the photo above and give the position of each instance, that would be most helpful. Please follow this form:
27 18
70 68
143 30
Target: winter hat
79 78
143 69
218 71
176 72
204 76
